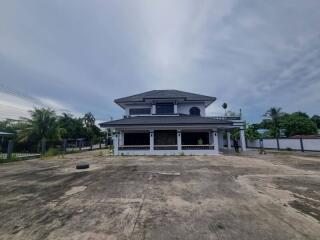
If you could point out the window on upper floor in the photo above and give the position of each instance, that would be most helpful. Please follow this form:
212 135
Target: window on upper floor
194 111
164 108
139 111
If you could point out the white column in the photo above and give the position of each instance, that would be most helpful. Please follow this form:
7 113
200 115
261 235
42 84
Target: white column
175 108
179 140
220 139
215 141
153 109
243 140
115 139
229 139
210 138
151 140
121 140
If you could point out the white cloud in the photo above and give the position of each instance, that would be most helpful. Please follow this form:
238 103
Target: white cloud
13 107
81 55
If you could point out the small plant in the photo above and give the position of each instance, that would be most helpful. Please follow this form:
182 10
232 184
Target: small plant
52 152
181 154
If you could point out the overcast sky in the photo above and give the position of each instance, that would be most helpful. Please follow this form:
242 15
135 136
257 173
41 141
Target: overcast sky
79 55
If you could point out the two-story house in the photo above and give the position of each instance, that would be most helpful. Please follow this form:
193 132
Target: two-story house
162 122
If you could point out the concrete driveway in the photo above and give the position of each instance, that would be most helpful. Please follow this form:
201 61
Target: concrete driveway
274 196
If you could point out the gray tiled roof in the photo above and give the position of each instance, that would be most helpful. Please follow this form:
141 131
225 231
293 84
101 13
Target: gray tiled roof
165 94
164 120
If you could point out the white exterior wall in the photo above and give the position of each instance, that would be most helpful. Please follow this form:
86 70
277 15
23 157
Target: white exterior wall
308 144
270 143
311 144
290 143
184 108
253 143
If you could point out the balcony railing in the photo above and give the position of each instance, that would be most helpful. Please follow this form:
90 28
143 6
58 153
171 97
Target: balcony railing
225 118
197 147
165 147
134 147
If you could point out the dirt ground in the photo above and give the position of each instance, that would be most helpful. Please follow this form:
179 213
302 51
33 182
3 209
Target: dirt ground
273 196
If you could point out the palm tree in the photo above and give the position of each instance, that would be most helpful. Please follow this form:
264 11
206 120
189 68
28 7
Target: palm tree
74 127
89 122
42 125
274 114
225 106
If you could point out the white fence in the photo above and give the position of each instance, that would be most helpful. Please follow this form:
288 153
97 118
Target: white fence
287 143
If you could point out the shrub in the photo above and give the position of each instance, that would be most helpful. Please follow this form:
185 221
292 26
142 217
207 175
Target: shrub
52 152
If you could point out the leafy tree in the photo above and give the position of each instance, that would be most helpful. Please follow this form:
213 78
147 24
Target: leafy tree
274 115
74 127
42 125
252 133
298 124
316 119
89 120
91 129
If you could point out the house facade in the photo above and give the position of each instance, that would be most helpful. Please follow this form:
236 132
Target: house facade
171 122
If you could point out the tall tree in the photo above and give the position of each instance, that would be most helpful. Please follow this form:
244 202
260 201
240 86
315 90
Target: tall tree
298 124
316 119
74 127
274 114
42 125
92 129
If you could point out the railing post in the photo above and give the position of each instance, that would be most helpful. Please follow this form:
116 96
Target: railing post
301 144
100 142
10 149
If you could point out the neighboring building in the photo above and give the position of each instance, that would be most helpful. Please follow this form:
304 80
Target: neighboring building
162 122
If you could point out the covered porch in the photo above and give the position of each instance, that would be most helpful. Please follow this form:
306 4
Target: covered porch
170 141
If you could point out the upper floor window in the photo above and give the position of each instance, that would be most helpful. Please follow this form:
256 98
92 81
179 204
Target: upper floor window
194 111
165 108
139 111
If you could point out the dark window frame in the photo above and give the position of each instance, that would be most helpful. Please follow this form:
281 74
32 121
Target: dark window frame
195 111
140 111
165 108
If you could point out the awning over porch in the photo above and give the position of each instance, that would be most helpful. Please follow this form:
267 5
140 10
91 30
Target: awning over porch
151 121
